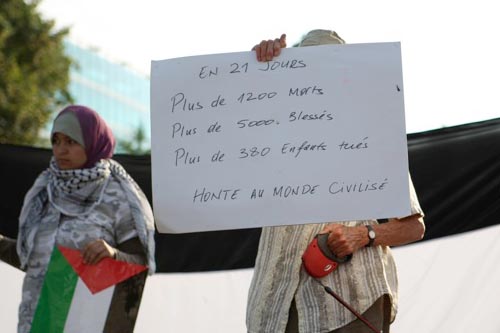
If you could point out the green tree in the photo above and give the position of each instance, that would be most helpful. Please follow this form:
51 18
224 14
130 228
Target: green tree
34 71
135 146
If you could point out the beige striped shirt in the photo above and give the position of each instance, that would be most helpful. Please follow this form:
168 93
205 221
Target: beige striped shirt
279 278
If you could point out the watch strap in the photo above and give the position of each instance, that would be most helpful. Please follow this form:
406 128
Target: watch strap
371 235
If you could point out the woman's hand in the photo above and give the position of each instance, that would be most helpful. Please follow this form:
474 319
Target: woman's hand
97 250
268 49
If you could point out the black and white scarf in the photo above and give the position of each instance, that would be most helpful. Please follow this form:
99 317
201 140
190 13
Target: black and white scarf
75 193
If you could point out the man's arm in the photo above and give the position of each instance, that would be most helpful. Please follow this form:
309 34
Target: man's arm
344 240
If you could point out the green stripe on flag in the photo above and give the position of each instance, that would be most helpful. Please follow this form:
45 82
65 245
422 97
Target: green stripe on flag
55 298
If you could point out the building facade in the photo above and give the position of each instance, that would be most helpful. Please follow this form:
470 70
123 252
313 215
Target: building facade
118 93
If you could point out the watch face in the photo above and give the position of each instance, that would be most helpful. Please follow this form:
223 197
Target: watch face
371 234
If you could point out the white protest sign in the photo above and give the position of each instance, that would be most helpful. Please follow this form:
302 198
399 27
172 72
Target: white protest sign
318 134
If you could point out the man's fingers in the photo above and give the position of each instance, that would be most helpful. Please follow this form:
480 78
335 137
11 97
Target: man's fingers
276 47
256 48
270 50
283 41
267 50
263 50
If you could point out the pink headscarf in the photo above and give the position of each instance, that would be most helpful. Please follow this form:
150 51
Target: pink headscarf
97 136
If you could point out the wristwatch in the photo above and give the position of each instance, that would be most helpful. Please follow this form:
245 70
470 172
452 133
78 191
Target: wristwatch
371 235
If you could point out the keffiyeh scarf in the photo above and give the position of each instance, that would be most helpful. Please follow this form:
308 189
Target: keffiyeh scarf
75 193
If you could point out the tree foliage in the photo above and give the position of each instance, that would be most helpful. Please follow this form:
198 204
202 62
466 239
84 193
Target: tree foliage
136 145
34 71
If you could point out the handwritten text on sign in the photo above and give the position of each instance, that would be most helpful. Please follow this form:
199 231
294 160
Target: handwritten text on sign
316 135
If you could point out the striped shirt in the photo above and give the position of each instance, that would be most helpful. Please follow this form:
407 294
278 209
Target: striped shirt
279 278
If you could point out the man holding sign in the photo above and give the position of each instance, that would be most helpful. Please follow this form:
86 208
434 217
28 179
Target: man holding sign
284 297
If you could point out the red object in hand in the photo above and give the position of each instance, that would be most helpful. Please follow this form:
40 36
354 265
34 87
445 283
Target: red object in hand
319 260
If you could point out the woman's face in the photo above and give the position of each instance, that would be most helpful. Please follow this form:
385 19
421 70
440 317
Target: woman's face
68 153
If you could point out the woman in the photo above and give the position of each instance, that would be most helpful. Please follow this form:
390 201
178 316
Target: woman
84 200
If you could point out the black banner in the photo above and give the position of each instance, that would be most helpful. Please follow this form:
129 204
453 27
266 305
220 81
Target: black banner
455 170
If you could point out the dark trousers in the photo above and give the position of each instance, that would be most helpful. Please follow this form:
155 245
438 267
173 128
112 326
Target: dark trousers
379 316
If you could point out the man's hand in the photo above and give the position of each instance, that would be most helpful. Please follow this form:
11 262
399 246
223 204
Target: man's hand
268 49
97 250
344 240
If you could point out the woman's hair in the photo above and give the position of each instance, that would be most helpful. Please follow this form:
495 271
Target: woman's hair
97 137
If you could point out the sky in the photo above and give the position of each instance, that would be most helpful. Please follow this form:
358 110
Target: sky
450 49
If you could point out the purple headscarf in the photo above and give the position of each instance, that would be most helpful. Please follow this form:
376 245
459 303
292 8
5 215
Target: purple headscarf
97 136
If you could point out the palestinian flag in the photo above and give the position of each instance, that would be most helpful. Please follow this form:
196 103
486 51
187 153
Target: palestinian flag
77 297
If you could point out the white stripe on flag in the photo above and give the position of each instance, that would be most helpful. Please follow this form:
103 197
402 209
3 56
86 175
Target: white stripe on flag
94 306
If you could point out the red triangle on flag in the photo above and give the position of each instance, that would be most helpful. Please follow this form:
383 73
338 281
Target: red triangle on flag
104 274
